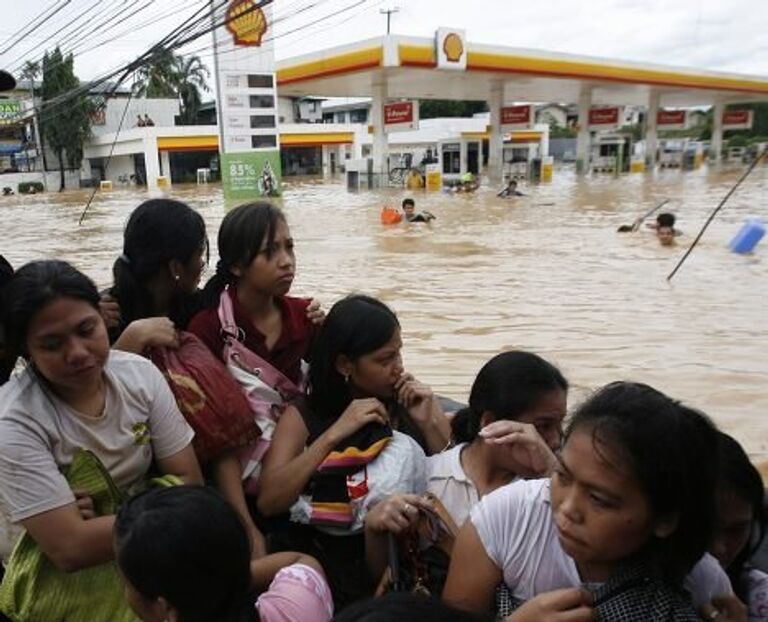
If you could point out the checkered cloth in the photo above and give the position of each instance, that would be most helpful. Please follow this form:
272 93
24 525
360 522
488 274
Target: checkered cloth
635 594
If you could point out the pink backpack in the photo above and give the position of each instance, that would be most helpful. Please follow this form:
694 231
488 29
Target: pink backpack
267 389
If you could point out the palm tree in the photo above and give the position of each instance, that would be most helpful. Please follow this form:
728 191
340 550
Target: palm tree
30 71
191 75
157 78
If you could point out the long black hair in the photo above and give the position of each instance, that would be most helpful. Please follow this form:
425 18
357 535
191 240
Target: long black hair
507 386
32 287
671 450
738 476
242 235
355 326
6 358
187 545
158 231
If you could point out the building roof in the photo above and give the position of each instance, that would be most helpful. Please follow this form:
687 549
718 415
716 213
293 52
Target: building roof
408 67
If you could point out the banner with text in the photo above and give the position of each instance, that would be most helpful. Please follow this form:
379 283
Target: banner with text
10 111
737 119
671 119
604 118
249 174
399 116
516 118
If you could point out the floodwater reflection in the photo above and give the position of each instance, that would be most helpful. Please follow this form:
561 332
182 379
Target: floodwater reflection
545 272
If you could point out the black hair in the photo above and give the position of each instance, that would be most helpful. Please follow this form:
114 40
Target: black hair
671 450
355 326
158 231
6 359
738 475
406 607
665 219
409 201
187 545
32 287
243 233
507 386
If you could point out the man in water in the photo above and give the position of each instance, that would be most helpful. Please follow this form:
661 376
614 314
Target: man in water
409 212
666 235
511 190
665 219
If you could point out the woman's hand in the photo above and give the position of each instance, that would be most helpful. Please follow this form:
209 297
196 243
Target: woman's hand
84 504
358 414
527 448
396 513
567 605
416 396
150 332
725 608
315 313
110 311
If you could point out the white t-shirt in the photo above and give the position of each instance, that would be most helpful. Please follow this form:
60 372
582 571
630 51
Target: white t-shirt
39 434
515 526
757 587
400 467
447 480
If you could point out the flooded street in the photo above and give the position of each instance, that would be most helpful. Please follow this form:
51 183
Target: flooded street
546 272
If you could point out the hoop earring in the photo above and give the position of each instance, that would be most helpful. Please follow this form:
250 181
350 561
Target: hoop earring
346 378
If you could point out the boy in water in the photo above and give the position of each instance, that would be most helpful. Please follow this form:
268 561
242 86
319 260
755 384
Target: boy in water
666 235
409 212
511 190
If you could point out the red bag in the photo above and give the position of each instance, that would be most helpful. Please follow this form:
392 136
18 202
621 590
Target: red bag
210 399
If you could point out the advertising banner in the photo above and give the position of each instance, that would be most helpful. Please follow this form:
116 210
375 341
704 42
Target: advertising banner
672 119
249 174
400 116
604 118
516 118
10 111
737 119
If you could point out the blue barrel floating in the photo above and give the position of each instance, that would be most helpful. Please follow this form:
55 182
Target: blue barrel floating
751 232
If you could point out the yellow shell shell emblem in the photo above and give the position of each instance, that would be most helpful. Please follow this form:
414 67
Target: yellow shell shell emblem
246 21
453 47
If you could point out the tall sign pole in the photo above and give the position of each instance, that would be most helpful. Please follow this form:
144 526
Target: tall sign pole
244 64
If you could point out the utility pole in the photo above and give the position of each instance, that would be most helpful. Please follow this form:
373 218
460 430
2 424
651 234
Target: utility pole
388 13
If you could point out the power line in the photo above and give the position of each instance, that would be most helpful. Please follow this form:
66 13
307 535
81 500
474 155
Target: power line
32 26
389 13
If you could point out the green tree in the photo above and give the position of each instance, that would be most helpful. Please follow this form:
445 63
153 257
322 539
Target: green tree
191 76
438 108
30 71
65 125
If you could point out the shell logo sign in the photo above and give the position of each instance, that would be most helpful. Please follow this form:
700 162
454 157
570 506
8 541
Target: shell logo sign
246 21
451 46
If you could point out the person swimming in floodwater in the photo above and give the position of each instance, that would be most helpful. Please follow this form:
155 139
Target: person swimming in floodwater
666 235
511 190
410 214
665 219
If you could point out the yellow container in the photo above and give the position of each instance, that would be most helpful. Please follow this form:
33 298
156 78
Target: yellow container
163 181
637 166
105 185
434 178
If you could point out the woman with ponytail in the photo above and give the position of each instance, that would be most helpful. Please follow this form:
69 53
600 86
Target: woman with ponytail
165 251
514 418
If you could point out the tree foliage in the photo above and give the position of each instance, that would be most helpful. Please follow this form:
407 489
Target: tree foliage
67 126
439 108
168 76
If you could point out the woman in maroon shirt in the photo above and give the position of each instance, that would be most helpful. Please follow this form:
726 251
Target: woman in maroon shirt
254 273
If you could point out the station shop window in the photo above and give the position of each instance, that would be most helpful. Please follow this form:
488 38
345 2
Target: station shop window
262 121
262 101
260 81
451 159
263 142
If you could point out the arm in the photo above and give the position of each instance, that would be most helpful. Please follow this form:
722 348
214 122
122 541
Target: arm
147 333
183 464
69 541
228 476
425 409
288 466
263 570
472 575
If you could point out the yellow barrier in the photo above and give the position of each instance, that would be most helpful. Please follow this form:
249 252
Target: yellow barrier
434 181
163 181
637 166
105 185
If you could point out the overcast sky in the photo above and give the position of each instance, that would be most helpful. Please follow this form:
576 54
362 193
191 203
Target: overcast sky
724 35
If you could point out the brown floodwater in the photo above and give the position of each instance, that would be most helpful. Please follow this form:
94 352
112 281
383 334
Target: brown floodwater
547 272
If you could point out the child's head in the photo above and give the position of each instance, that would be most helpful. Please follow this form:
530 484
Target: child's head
635 480
666 235
184 555
51 318
164 244
409 207
512 184
255 252
665 219
515 385
356 354
740 514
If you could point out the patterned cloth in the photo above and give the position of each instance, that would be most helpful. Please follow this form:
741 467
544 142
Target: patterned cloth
297 592
634 594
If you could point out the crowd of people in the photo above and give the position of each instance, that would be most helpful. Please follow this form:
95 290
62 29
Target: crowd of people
330 496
